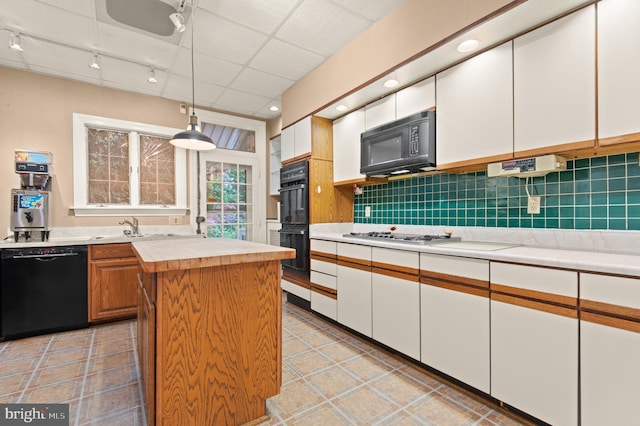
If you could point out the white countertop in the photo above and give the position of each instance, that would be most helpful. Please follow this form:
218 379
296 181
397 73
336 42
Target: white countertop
583 260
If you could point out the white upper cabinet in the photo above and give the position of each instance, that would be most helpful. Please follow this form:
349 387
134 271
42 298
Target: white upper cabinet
346 146
474 117
296 139
618 63
287 142
554 83
416 98
380 112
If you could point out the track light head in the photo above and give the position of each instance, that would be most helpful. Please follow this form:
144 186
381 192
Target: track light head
178 20
15 42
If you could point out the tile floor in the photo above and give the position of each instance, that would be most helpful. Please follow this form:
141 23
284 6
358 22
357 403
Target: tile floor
330 377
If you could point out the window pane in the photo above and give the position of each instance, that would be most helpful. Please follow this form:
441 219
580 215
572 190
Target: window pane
229 218
108 166
157 171
230 137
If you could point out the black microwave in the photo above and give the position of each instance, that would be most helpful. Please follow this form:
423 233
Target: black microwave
404 146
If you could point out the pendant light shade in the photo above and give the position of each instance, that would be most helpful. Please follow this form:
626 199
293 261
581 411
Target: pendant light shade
192 138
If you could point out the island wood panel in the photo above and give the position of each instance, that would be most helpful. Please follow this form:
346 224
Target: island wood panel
218 343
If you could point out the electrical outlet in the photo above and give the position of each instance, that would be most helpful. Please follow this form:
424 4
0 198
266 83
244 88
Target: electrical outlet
367 211
175 220
534 205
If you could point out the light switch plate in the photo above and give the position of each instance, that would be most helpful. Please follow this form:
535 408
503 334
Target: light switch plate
534 205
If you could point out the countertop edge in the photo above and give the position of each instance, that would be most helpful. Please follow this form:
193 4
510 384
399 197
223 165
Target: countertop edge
581 260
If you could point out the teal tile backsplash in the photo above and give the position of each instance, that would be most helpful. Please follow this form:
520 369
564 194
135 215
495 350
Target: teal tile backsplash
593 193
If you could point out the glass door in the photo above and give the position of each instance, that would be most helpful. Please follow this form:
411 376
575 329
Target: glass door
229 190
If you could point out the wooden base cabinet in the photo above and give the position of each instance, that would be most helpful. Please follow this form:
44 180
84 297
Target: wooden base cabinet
113 270
534 341
454 302
147 343
609 350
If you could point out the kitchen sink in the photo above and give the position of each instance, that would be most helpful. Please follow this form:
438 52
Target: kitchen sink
132 237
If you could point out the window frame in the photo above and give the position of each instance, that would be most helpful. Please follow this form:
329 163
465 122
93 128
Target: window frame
80 166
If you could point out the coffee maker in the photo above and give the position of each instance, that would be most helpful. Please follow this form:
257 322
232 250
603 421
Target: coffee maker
30 202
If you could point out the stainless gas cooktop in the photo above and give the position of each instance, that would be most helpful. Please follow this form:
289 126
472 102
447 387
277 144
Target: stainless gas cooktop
402 238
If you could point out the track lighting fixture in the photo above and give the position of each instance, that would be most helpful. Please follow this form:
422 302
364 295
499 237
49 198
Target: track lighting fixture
178 21
95 63
15 42
152 76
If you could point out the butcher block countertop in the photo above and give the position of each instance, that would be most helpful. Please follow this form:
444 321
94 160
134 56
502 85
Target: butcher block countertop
180 254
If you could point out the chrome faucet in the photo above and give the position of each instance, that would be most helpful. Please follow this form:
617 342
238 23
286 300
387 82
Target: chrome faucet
133 225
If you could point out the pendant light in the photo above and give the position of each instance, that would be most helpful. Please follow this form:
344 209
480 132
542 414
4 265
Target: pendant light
192 138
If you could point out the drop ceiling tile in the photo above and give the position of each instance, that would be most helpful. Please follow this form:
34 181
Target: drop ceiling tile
369 9
81 7
24 16
224 39
322 27
59 59
135 46
10 63
285 60
93 79
129 75
207 68
64 26
261 83
149 89
179 88
261 15
236 99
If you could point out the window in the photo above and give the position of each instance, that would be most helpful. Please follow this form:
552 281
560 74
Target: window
229 196
123 167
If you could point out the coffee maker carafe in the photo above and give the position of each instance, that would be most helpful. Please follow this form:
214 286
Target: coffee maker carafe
30 203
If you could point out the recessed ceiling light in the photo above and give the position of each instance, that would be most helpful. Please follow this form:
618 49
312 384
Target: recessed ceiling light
342 107
15 42
391 83
152 76
274 108
94 64
467 46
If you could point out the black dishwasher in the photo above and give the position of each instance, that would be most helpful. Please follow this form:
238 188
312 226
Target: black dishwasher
43 290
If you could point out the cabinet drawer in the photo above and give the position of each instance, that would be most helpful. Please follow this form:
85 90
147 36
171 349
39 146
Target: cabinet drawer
324 305
545 280
477 269
324 267
354 251
325 248
111 251
612 290
408 261
324 280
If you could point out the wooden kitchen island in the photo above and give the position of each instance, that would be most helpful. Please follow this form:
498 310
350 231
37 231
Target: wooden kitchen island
209 329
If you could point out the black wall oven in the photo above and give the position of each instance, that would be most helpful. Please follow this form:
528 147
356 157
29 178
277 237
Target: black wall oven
294 216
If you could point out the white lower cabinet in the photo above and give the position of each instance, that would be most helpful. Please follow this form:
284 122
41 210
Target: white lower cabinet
323 278
292 288
396 300
354 287
534 341
609 350
454 320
